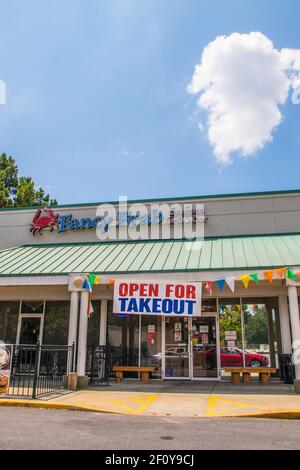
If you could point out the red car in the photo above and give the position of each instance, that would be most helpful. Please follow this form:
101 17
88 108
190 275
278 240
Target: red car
231 357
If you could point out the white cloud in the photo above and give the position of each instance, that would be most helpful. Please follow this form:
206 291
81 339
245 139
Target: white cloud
243 81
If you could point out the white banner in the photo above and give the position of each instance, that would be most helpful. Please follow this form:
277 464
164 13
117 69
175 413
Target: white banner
157 298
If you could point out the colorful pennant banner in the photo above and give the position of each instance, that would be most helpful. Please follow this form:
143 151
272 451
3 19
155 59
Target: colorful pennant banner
278 273
271 275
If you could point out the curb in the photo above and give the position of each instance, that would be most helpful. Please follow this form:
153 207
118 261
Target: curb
53 406
284 414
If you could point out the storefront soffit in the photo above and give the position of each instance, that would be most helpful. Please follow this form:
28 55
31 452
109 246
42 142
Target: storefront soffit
252 252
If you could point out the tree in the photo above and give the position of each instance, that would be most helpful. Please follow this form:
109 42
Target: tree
19 191
256 325
230 320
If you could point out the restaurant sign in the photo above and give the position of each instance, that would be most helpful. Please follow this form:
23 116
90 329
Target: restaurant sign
157 298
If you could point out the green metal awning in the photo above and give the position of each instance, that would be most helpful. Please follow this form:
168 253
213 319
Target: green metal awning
237 253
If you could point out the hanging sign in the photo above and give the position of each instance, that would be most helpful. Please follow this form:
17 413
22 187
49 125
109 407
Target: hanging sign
5 367
230 335
157 298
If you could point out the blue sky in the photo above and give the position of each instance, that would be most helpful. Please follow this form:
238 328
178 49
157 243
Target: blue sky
97 103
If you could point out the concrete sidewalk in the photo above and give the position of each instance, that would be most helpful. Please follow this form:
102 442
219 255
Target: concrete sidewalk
177 399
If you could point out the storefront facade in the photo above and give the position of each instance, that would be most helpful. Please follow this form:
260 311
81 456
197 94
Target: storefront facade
250 324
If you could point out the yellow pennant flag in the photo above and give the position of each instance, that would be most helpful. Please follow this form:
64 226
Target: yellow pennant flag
269 275
97 280
245 280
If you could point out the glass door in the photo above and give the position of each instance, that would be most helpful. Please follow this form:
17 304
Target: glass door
204 348
177 348
30 331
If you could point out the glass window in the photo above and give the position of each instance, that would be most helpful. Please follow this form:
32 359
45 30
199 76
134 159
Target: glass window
123 335
93 334
231 333
9 314
32 307
208 306
262 337
56 322
151 343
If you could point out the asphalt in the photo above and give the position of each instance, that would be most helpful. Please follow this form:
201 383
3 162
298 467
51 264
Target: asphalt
176 399
34 429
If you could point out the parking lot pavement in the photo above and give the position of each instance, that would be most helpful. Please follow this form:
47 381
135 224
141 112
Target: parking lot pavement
55 429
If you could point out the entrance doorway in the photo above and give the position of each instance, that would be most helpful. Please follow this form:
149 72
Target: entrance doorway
191 348
29 329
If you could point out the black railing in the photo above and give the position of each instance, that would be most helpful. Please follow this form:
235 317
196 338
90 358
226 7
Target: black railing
38 370
99 364
101 359
287 368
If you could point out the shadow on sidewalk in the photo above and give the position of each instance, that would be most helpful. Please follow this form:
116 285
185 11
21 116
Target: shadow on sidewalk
179 386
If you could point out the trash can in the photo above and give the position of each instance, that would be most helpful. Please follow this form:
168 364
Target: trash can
287 370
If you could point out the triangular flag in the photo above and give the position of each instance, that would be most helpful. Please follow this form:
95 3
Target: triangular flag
86 285
222 307
220 283
291 275
111 281
231 283
298 275
90 309
269 275
245 280
208 286
97 280
254 277
281 272
92 279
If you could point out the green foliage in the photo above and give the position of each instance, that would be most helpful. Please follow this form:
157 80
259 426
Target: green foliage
256 325
19 191
230 320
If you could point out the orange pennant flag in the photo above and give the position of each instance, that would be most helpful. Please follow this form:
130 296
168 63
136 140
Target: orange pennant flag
269 275
298 275
111 281
245 280
281 272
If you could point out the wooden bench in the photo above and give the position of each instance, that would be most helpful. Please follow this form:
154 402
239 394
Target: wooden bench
264 374
144 371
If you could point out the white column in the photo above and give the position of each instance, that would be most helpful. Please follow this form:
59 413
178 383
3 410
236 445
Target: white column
82 338
73 318
285 324
295 321
103 323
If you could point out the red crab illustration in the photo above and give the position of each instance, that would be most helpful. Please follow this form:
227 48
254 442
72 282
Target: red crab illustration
44 218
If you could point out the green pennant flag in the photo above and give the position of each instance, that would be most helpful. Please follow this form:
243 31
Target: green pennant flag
92 279
291 275
254 276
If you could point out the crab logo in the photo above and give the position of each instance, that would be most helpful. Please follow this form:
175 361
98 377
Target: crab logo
44 219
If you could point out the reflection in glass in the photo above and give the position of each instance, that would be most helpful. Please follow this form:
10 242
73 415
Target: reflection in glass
204 344
32 307
177 348
231 333
56 323
9 313
151 343
93 334
30 330
123 335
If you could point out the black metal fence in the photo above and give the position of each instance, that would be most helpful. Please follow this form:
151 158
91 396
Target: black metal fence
101 359
38 370
99 364
287 368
